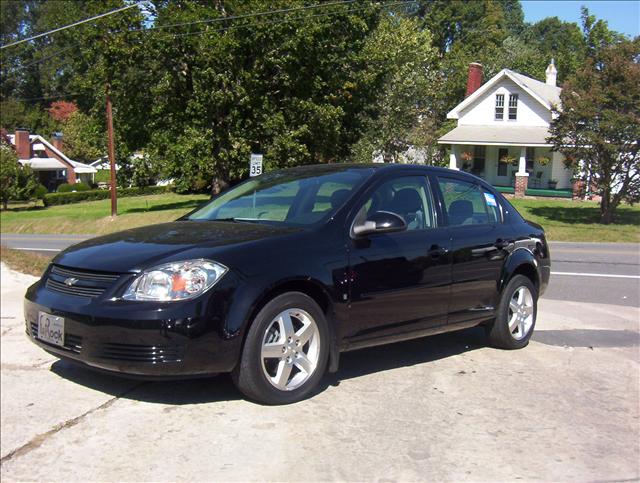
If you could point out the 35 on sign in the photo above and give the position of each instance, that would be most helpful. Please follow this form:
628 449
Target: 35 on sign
255 165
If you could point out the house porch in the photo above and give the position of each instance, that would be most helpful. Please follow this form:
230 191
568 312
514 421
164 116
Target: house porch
499 165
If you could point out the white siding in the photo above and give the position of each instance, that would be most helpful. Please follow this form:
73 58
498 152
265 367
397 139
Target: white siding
560 172
481 112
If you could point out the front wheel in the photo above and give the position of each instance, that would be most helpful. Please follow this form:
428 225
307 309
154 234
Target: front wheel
286 351
516 315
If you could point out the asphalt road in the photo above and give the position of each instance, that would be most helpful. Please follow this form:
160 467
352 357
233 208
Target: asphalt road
582 272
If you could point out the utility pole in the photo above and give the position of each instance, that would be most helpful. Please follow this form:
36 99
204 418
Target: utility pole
112 154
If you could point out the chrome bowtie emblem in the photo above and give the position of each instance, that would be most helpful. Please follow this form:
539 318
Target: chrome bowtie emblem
71 281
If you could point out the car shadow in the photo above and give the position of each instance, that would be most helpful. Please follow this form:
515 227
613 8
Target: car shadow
404 354
220 388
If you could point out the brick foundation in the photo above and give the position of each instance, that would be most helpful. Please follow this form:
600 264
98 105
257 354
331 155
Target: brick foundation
521 185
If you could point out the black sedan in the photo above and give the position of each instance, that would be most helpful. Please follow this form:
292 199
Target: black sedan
271 280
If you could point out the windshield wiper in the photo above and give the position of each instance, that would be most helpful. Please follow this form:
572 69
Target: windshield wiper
237 220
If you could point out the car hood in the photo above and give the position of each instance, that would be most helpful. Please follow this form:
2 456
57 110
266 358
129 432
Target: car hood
139 248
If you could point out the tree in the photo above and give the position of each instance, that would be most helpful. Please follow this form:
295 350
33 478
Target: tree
598 127
60 111
563 41
17 182
399 68
84 138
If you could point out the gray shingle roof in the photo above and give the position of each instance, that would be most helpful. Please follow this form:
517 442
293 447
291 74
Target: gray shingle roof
550 94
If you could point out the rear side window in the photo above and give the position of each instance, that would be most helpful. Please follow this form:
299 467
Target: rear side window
466 204
493 207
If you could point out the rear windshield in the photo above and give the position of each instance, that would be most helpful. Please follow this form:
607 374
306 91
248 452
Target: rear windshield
290 197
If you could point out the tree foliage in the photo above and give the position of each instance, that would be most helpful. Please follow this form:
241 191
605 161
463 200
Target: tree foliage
598 127
198 92
17 182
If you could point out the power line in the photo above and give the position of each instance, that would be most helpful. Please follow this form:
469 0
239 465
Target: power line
287 20
231 27
44 98
121 9
246 15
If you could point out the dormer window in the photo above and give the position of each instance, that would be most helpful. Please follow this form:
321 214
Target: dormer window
499 107
513 107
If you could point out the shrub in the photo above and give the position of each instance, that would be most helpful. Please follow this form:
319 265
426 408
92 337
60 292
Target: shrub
68 188
62 198
41 191
17 182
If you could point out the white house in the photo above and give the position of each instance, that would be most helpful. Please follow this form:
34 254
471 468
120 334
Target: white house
48 161
502 130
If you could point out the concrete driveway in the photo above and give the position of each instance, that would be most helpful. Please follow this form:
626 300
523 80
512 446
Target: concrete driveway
443 408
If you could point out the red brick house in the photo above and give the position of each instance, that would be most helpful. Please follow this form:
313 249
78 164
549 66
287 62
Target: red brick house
48 160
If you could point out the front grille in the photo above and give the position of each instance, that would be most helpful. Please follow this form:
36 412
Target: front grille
140 353
72 343
80 283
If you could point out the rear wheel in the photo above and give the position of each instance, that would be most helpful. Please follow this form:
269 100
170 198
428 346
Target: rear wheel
516 315
286 351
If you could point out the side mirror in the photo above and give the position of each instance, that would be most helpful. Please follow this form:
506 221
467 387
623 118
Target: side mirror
380 222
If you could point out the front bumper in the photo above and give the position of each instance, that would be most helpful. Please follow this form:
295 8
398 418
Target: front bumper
182 339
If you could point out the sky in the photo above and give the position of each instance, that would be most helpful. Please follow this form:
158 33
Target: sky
621 15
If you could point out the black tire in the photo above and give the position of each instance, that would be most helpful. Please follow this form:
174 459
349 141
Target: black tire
249 376
499 333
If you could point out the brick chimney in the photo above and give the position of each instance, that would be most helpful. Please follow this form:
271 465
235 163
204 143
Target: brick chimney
23 146
474 79
551 73
58 142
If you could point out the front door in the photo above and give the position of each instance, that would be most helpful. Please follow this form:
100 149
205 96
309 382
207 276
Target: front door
399 281
480 244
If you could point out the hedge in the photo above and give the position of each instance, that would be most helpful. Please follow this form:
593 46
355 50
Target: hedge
68 188
52 199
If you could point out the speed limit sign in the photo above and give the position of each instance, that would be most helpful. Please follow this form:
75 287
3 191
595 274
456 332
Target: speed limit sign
255 165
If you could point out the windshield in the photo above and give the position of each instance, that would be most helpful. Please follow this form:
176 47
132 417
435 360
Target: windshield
291 197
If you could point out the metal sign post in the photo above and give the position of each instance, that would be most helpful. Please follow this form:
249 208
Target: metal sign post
255 165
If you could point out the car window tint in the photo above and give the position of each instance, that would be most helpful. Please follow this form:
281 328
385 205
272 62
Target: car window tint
331 194
464 202
407 197
276 197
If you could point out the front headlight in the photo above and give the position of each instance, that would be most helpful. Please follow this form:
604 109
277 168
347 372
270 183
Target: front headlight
175 281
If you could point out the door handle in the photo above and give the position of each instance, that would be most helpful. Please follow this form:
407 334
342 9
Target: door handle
501 244
437 251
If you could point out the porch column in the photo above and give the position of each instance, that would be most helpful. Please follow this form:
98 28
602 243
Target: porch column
522 163
453 157
522 177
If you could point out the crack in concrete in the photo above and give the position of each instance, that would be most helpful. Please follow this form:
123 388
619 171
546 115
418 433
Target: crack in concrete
6 331
40 439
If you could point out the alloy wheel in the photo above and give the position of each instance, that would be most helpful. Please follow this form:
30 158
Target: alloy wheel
290 349
520 313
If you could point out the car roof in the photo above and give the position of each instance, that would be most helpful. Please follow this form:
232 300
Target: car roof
390 167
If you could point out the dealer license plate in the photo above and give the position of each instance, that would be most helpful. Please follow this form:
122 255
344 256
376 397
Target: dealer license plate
51 329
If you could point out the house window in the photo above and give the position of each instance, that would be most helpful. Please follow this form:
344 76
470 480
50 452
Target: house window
499 107
479 153
530 158
513 107
502 166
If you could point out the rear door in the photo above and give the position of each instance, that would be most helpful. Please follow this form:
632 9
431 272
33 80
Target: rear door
480 242
399 281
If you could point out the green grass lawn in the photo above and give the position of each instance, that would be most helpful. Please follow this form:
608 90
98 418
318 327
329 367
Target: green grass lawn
562 220
565 220
93 217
